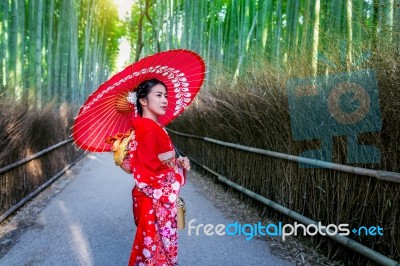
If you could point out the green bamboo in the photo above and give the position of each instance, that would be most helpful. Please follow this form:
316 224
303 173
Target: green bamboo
11 73
3 47
243 54
49 54
278 33
292 9
387 19
38 54
396 25
73 58
357 23
170 13
316 25
268 32
210 32
306 26
20 71
294 40
176 24
230 49
219 46
288 32
201 33
186 24
261 26
349 20
86 52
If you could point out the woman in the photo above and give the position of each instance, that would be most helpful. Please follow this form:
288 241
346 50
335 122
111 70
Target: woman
158 178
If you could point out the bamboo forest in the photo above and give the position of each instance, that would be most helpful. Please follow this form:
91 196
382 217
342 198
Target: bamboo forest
261 56
63 49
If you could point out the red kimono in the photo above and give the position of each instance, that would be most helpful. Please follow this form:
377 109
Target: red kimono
157 185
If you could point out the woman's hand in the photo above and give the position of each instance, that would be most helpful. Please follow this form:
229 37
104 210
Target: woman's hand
184 163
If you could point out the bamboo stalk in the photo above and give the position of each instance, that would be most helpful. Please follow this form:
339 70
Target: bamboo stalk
244 51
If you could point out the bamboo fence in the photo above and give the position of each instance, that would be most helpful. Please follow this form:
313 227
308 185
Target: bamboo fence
331 196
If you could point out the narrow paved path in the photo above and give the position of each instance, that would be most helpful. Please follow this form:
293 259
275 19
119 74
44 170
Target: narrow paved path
90 222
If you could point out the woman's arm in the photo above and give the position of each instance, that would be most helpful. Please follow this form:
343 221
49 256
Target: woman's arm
152 177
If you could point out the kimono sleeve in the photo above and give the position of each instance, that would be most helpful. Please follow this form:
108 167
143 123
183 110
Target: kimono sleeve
153 178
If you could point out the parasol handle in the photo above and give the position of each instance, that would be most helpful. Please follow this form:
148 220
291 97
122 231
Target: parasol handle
177 152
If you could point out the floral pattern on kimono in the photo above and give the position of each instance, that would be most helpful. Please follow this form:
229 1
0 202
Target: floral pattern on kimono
157 185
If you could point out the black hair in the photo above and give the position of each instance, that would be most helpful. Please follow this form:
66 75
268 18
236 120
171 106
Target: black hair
143 91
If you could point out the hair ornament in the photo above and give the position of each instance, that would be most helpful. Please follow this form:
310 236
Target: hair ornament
132 97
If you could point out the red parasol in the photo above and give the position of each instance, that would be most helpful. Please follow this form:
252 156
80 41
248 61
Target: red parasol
108 112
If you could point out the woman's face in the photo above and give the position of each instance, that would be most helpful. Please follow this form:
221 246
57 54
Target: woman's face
156 103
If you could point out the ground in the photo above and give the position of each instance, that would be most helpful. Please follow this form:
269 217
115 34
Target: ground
293 250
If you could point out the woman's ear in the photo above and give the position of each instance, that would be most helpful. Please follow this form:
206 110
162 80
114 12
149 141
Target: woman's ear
143 101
